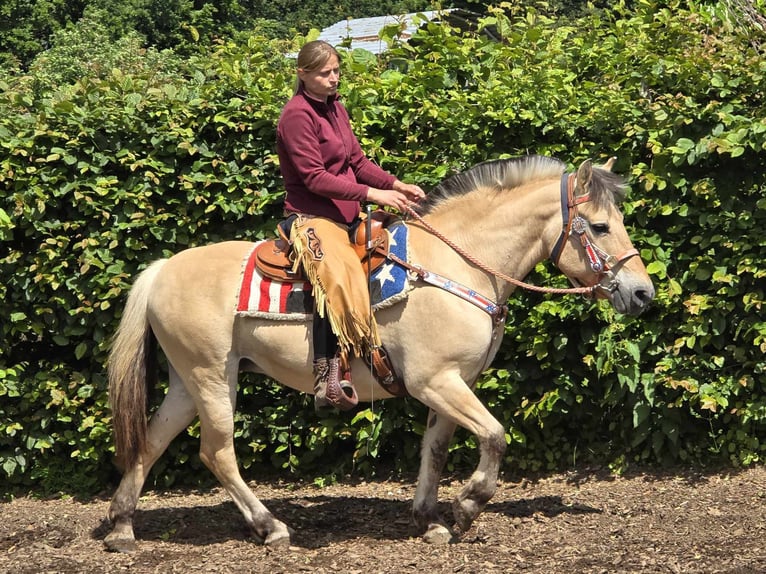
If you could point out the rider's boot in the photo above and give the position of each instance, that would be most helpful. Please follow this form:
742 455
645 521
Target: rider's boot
332 386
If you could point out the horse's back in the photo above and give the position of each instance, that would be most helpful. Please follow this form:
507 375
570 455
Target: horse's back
205 269
225 250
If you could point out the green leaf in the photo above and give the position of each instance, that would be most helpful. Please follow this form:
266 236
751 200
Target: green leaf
641 412
80 350
657 268
684 145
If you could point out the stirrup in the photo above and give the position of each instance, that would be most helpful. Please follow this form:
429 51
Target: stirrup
330 391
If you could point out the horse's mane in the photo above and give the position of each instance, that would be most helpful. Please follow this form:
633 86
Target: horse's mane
605 187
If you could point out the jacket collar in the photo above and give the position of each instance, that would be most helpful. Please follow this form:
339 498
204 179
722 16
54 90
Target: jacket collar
317 103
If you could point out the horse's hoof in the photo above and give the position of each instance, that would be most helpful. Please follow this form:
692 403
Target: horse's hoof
123 545
279 538
465 511
437 534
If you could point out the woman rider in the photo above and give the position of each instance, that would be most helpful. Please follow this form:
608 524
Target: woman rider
327 177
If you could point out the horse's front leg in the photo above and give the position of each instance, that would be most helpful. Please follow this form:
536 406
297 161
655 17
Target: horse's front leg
451 398
483 483
433 456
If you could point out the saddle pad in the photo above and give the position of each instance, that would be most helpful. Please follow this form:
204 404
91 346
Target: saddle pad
259 296
390 282
263 297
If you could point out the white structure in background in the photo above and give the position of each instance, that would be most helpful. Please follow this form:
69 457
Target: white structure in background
363 32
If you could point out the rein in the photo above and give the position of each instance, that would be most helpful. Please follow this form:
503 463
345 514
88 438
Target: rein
600 261
470 258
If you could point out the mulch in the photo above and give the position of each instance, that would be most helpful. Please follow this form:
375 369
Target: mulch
586 521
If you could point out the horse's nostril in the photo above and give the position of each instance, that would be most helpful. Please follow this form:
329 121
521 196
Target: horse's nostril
644 295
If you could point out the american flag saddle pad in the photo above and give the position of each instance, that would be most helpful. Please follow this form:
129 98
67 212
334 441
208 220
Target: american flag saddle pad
260 296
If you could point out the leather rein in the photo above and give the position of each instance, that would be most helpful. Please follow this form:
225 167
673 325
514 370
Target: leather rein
573 224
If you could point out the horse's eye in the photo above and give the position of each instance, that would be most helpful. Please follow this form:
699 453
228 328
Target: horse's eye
600 228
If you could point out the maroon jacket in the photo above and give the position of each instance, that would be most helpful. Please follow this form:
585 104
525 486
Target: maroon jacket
322 164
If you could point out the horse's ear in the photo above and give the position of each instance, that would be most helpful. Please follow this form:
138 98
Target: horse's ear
584 174
610 163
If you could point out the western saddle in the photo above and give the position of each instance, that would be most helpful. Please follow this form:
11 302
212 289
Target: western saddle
275 258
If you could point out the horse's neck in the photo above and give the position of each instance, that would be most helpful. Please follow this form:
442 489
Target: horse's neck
503 231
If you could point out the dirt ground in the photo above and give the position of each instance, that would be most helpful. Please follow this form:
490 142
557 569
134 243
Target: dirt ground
587 521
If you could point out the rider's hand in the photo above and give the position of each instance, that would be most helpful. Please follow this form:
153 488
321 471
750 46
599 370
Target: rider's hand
388 198
413 192
399 197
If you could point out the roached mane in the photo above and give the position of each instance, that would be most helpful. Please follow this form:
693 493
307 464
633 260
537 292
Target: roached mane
511 173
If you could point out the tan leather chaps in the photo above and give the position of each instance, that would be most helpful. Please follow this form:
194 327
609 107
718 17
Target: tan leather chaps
325 253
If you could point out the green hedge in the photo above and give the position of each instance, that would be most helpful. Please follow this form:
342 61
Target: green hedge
100 177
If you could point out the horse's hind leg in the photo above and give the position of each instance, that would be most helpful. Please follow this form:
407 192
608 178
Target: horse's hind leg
216 414
174 415
432 459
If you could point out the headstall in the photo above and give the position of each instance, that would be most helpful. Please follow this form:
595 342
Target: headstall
600 261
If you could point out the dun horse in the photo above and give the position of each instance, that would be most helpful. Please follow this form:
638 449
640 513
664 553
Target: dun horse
504 215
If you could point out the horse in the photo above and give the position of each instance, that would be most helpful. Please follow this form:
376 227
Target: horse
483 229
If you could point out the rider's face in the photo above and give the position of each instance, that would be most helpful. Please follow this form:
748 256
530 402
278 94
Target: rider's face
322 83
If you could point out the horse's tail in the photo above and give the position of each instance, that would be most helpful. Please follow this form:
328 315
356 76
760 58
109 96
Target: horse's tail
132 369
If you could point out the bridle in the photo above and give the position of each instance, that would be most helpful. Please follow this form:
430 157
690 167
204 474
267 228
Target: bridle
601 263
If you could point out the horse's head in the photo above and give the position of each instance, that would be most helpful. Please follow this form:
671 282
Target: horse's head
594 248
